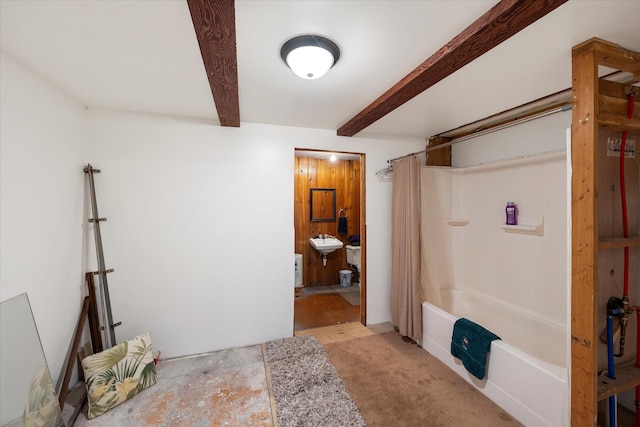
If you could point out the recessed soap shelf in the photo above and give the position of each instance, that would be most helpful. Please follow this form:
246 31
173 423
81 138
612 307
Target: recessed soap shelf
457 222
527 224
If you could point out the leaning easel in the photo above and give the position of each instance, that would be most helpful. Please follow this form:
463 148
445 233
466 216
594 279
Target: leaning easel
89 311
94 319
90 303
107 324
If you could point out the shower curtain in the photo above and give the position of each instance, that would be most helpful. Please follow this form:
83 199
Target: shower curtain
436 240
406 298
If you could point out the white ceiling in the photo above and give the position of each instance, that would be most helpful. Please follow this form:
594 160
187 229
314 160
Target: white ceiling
143 56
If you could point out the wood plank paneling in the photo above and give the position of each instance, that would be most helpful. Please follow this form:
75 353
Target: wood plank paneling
344 176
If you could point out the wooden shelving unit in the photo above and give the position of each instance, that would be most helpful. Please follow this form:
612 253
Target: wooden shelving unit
627 376
598 106
618 243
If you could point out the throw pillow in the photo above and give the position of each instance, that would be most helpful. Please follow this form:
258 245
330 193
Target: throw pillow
115 375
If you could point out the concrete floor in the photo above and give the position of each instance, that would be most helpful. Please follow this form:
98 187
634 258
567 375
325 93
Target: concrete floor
225 388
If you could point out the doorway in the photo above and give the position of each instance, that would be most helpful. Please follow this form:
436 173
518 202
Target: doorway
329 199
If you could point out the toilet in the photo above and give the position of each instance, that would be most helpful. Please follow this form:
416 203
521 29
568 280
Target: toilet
353 257
298 271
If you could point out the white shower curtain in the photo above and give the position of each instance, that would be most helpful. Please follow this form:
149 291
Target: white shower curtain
406 288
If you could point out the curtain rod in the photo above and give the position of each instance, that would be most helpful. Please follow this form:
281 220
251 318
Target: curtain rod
486 131
390 161
565 95
560 109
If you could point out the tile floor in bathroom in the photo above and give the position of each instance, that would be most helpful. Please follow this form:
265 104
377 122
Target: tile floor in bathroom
320 306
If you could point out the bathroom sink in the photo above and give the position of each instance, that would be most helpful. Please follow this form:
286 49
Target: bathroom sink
325 246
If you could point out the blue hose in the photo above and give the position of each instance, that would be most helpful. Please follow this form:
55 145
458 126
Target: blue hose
610 364
610 369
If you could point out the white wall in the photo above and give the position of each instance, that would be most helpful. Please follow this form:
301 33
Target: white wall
200 219
186 202
543 135
526 271
42 149
200 230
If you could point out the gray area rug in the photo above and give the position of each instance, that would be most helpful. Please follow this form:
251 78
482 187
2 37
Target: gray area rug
306 386
353 297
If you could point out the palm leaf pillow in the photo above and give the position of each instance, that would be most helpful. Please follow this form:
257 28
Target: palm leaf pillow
119 373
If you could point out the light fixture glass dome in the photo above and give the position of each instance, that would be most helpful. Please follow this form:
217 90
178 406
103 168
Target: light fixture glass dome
309 56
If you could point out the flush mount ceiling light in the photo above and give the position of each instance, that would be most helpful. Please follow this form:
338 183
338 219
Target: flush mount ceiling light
309 56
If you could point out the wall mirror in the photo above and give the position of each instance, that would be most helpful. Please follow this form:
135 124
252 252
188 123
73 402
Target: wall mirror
27 394
323 204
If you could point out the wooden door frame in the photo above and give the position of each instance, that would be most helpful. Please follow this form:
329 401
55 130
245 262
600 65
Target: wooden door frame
363 241
363 229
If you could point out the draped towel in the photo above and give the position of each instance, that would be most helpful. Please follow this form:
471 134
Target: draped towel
342 225
471 343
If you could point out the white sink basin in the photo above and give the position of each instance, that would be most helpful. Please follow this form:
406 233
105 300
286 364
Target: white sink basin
325 246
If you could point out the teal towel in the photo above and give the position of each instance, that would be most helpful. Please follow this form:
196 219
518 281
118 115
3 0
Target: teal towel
471 343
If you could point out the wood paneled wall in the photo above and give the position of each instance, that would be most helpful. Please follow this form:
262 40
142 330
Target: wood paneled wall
344 176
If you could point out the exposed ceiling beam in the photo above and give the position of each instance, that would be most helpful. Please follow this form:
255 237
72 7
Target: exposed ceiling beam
215 25
501 22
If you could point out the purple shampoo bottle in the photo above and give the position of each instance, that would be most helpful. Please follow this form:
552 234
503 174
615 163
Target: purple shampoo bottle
512 218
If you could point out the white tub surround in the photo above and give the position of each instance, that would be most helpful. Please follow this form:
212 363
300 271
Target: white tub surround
511 280
533 391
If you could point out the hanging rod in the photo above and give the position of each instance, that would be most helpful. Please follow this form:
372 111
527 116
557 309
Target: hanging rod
551 104
485 131
566 107
390 161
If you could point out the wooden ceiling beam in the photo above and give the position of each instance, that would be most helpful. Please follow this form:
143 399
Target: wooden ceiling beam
501 22
215 26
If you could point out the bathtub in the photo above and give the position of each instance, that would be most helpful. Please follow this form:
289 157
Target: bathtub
527 370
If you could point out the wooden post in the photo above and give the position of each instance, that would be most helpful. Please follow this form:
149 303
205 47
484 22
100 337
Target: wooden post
94 319
441 157
596 106
72 355
584 216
